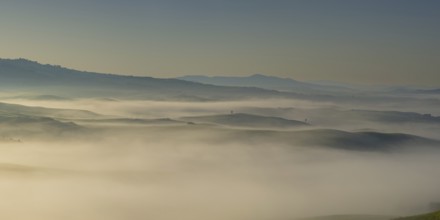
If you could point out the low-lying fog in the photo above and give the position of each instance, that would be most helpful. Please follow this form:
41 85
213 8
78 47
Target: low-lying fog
188 172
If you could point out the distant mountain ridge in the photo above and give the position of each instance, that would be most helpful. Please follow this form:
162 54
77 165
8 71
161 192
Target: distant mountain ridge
267 82
309 87
30 76
51 81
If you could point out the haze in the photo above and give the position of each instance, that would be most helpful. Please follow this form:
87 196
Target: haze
366 42
120 161
220 110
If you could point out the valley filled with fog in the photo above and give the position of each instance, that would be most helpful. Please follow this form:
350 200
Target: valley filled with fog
83 145
220 110
95 158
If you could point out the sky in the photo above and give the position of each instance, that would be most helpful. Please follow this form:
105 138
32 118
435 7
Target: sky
354 41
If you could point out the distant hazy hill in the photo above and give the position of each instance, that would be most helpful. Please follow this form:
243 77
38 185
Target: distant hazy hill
267 82
410 90
18 120
325 116
39 97
29 76
246 120
58 83
362 141
19 127
313 90
396 116
328 138
133 121
21 122
429 91
45 112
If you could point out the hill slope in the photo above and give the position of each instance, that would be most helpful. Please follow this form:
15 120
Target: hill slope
267 82
350 217
246 120
325 138
429 216
29 76
6 108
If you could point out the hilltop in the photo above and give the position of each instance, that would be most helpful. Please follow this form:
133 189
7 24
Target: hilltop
429 216
30 76
246 120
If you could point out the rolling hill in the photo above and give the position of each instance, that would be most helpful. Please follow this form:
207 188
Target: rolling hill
6 108
246 120
362 141
19 122
133 121
322 116
21 75
21 127
309 137
429 216
267 82
350 217
43 81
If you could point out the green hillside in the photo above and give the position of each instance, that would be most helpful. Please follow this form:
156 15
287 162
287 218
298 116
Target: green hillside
429 216
350 217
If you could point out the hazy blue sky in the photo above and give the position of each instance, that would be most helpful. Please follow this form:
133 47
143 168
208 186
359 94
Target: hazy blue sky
368 41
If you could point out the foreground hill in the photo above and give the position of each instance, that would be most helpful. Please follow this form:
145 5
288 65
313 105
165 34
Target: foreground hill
429 216
350 217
